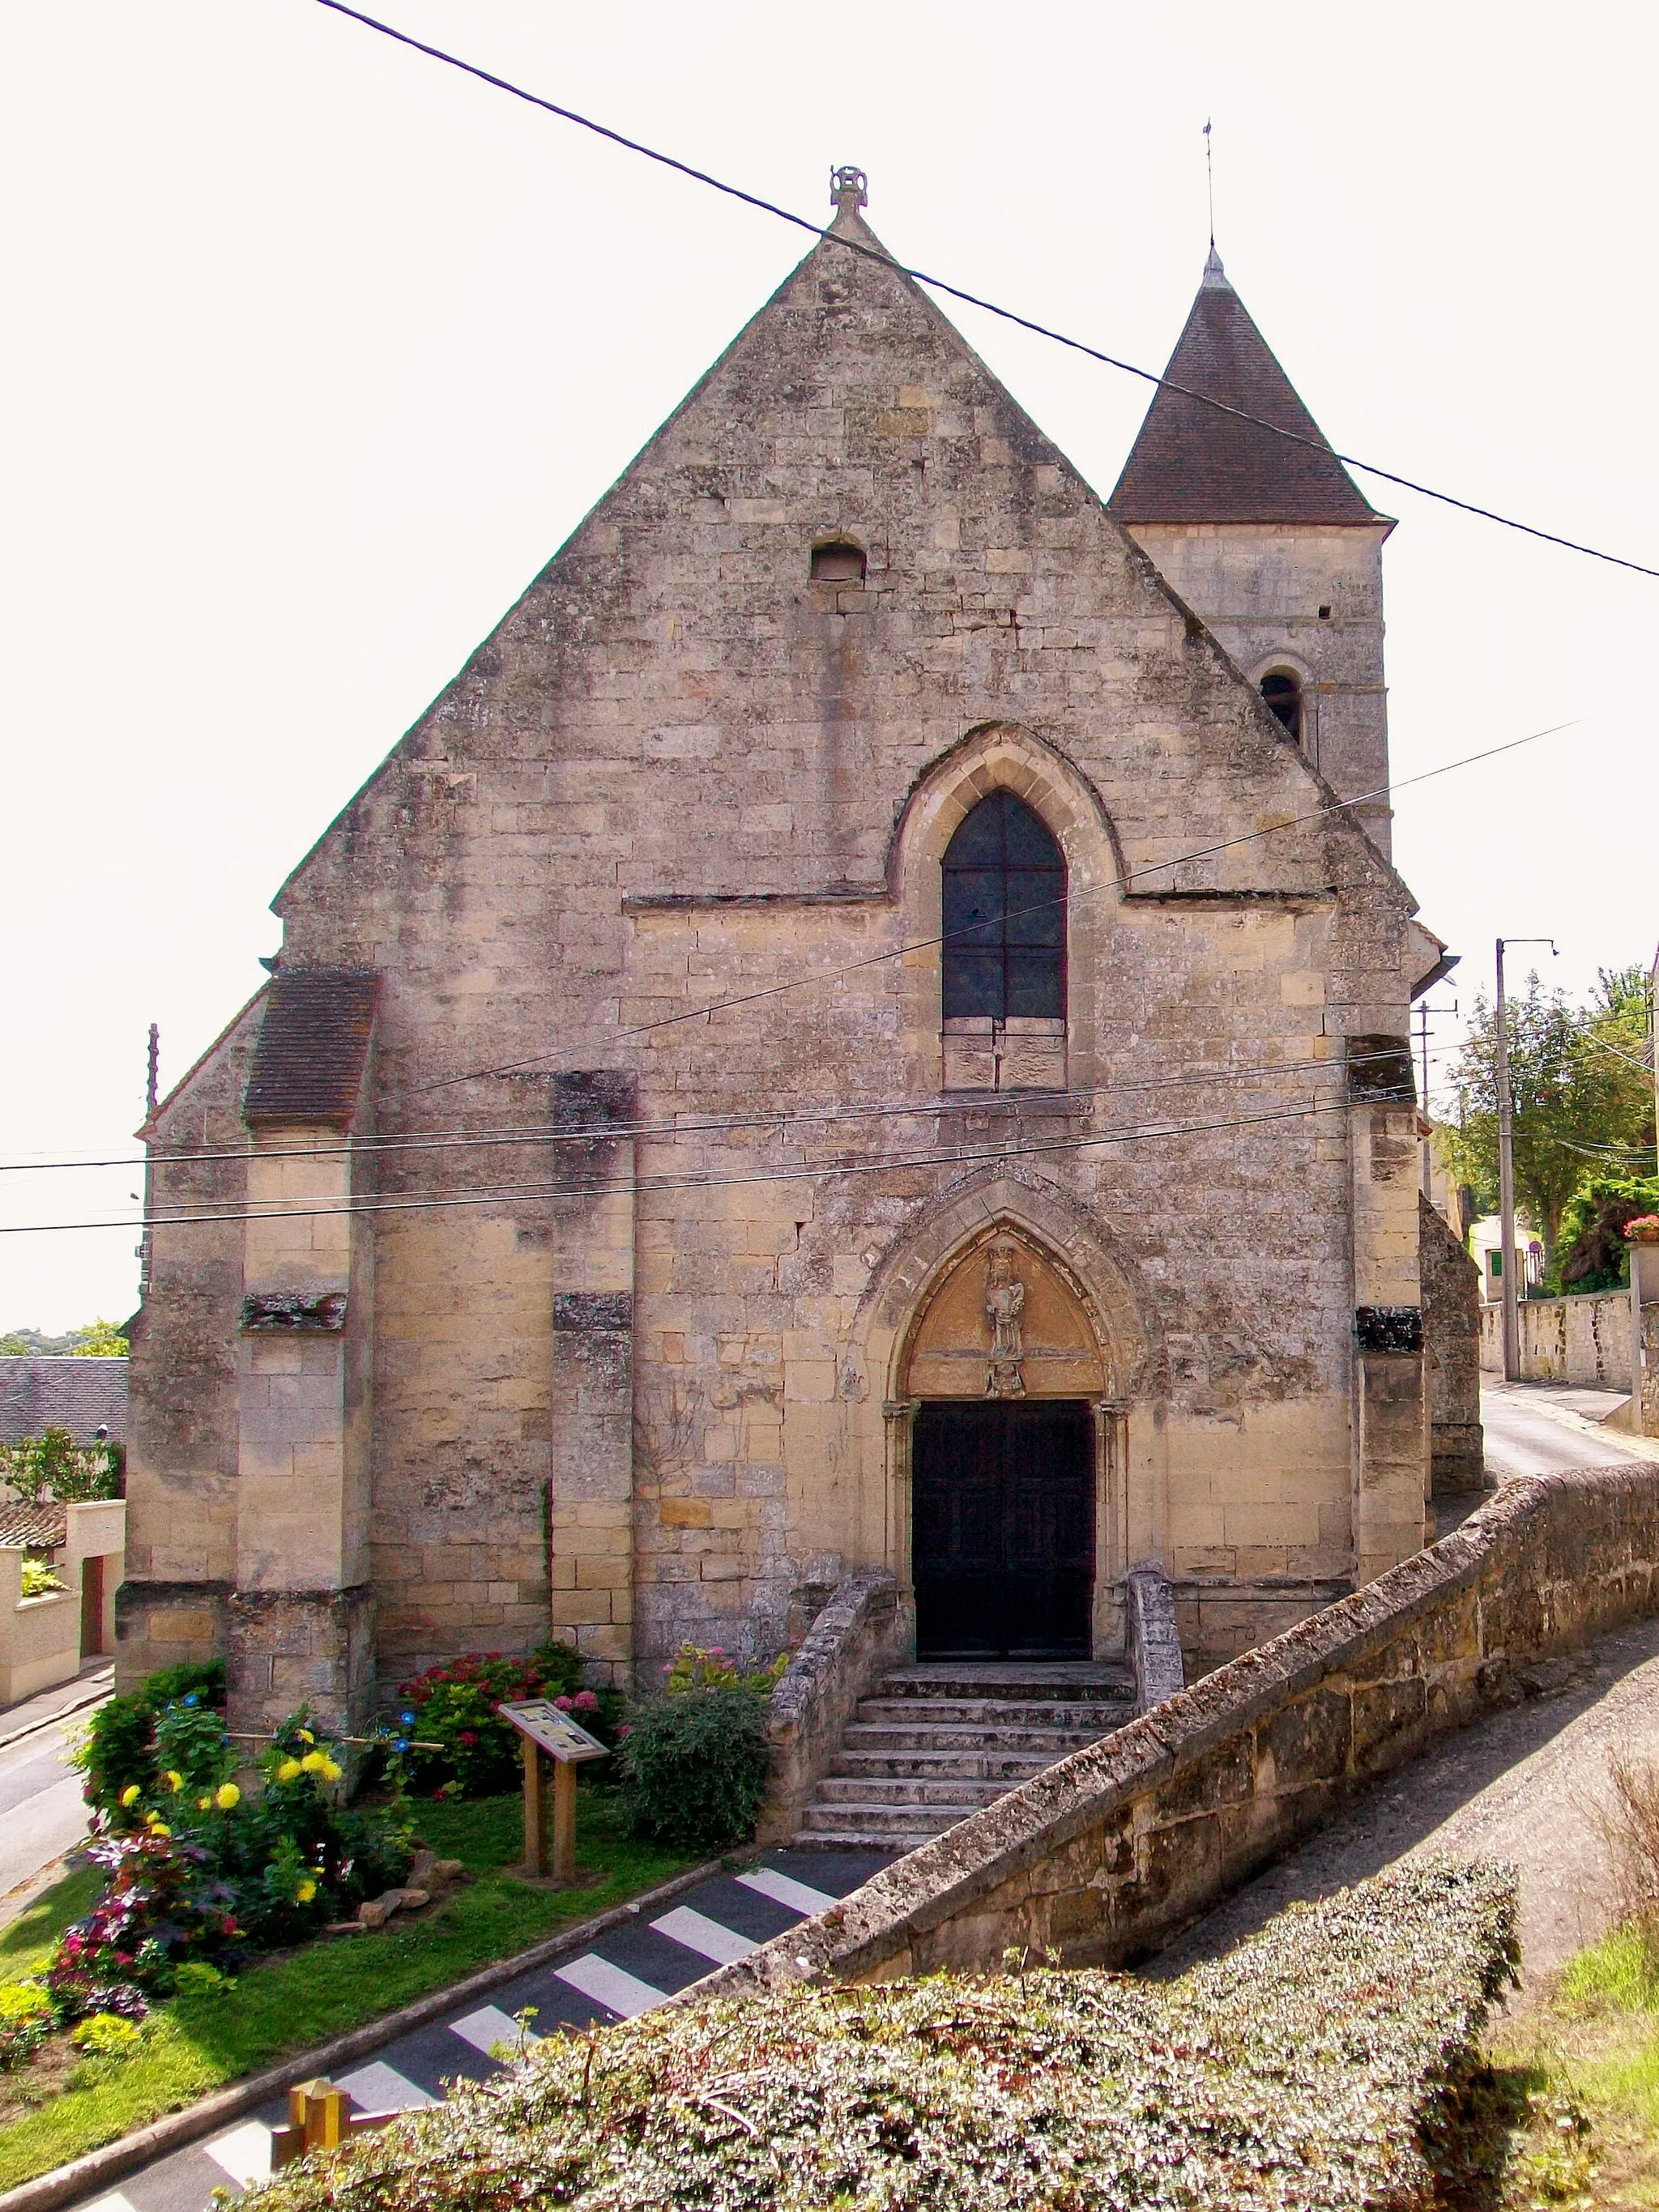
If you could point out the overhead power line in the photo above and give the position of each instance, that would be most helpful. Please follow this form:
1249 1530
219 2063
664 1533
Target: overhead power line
375 1147
922 944
959 1156
972 299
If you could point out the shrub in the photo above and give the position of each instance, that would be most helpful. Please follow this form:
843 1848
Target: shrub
1325 2065
455 1705
694 1668
693 1768
106 2035
200 1870
37 1580
26 2021
52 1464
117 1751
1589 1250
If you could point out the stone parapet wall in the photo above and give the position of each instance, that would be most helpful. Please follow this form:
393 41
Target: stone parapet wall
1583 1340
857 1635
1108 1854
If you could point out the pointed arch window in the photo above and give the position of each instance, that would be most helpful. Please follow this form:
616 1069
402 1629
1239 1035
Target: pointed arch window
1004 915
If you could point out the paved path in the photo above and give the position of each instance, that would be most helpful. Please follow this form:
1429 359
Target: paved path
42 1812
628 1971
1526 1785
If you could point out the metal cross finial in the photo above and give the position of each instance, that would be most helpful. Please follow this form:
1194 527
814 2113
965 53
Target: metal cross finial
849 188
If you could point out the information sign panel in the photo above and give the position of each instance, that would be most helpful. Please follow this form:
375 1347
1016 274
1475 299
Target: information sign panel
556 1732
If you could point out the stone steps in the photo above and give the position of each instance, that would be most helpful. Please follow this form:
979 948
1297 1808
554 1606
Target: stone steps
935 1743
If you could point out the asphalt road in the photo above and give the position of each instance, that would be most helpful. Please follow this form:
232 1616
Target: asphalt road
1530 1784
42 1812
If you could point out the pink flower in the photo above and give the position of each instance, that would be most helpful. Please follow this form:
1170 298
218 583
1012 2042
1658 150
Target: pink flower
585 1702
564 1705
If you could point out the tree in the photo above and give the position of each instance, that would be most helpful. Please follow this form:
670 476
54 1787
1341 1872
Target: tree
1581 1085
97 1339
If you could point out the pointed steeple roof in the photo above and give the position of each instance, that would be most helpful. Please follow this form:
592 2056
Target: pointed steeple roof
1193 463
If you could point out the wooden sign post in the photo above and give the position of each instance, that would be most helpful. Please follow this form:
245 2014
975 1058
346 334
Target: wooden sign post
549 1733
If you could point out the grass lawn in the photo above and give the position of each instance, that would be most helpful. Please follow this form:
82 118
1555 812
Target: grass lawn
291 2002
1582 2071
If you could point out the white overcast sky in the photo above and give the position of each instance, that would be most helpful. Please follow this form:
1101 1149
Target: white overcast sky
317 350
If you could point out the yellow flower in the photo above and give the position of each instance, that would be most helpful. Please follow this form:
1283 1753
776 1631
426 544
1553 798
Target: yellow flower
226 1796
313 1762
158 1827
288 1770
202 1804
304 1892
174 1780
132 1794
329 1770
306 1736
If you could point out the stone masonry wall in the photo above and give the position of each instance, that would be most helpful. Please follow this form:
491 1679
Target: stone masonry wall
1451 1339
1108 1854
681 771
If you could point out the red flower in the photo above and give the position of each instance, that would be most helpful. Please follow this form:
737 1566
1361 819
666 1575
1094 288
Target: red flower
468 1738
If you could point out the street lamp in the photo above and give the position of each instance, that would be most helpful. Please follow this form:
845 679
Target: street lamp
1506 1171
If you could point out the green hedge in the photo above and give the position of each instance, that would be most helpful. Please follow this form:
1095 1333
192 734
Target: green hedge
1326 2065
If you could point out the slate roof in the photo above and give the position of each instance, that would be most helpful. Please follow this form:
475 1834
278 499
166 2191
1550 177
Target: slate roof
313 1046
81 1395
1193 463
32 1528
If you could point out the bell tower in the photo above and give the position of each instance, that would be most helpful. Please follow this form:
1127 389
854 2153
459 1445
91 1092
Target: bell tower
1268 540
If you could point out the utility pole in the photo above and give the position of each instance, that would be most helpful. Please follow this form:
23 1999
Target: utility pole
1425 1013
1506 1172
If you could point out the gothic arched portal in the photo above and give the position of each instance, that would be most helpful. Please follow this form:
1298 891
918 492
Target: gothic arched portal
1012 1448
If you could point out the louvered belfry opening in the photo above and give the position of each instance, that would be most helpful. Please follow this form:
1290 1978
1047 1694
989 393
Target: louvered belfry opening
1004 915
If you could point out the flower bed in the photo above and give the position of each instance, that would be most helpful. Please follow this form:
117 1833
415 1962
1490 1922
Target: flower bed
456 1706
1325 2065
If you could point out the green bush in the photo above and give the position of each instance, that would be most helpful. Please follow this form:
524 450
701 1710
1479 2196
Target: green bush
26 2022
1331 2063
1590 1252
455 1705
52 1464
116 1753
693 1768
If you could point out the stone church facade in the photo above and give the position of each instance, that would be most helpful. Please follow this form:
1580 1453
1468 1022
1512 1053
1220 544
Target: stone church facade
852 1033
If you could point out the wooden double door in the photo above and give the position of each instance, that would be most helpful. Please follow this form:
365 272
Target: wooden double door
1003 1532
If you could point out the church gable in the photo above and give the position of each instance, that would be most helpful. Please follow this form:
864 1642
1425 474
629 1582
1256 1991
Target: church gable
682 705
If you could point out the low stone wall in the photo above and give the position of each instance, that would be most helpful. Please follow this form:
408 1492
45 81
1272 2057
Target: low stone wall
852 1641
1583 1340
1154 1640
39 1637
1106 1855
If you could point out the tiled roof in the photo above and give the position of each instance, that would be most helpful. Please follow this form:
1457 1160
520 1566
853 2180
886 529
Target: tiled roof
1193 463
80 1395
313 1046
36 1527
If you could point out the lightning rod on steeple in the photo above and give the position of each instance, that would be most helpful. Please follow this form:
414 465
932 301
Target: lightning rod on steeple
1209 179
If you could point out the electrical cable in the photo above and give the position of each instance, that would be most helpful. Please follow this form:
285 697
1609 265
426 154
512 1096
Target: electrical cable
923 943
1017 1102
971 299
959 1156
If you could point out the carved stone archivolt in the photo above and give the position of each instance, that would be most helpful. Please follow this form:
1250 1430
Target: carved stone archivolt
1004 1322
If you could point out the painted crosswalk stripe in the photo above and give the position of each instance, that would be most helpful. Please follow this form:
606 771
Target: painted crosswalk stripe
490 2025
244 2153
382 2088
598 1979
703 1936
784 1889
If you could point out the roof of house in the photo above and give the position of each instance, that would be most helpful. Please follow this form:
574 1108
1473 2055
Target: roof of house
34 1528
79 1394
313 1046
1191 462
